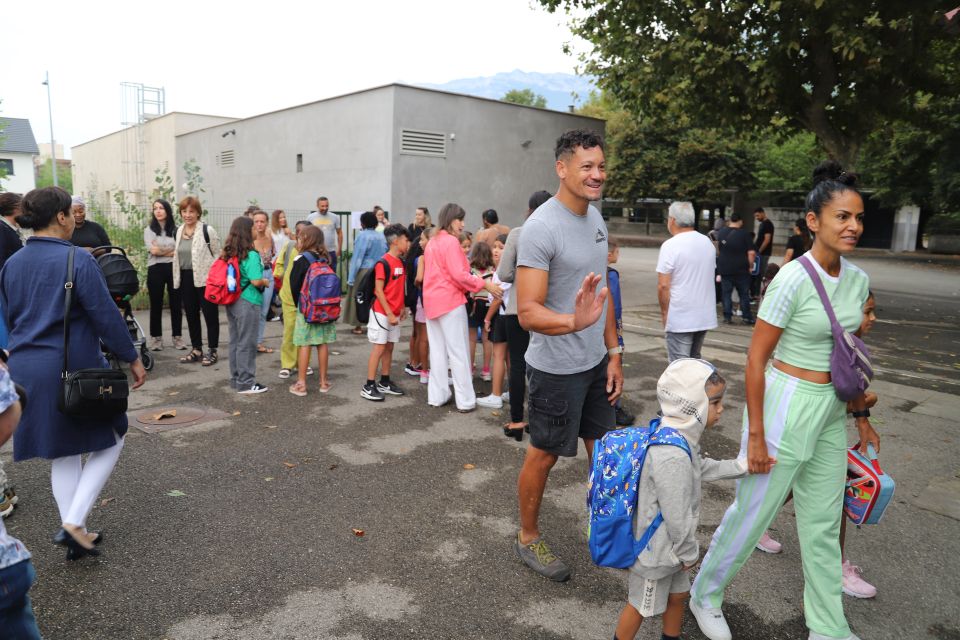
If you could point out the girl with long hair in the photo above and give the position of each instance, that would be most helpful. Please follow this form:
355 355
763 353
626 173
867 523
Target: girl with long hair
279 230
482 265
243 316
160 239
305 334
267 248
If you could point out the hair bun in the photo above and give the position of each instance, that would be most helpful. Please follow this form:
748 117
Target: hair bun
831 170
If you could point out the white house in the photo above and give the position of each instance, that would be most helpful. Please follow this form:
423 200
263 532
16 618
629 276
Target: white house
18 148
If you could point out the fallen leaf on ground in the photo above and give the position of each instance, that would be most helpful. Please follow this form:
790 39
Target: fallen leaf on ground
176 493
333 466
173 393
309 459
358 532
268 479
469 466
496 413
235 413
289 465
106 501
271 426
170 413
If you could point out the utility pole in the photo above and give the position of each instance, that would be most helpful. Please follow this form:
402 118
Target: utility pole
53 143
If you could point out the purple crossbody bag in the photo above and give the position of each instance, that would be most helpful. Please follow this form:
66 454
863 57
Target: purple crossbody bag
850 367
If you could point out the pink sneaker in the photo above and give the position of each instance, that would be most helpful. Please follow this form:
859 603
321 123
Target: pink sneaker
424 376
854 585
768 544
485 374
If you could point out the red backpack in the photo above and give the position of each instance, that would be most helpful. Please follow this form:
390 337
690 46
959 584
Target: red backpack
320 292
223 282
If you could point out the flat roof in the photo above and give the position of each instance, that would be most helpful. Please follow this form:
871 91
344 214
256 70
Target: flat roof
402 86
172 113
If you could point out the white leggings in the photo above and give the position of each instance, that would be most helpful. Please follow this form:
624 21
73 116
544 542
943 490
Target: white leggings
77 485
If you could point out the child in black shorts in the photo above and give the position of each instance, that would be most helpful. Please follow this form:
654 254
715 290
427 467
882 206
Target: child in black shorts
481 264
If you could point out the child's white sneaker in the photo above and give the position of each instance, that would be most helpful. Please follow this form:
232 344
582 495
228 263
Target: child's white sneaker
490 402
711 622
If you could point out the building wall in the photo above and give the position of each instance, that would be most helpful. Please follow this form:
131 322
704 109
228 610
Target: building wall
110 163
346 148
486 165
23 178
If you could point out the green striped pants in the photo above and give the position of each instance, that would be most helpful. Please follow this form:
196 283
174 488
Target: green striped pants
804 426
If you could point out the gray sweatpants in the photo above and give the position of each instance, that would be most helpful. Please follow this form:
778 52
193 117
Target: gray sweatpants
243 318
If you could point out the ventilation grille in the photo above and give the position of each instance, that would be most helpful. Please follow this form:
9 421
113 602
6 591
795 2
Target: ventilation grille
423 143
225 158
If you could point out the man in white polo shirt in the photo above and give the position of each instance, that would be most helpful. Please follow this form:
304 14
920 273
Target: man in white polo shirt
685 284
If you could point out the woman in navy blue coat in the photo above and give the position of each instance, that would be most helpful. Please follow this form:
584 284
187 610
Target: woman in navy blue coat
32 298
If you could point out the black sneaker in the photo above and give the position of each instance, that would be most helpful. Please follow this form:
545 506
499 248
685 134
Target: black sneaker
390 388
256 388
370 392
625 418
411 370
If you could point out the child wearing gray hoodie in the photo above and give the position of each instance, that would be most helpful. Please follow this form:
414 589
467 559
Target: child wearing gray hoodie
690 393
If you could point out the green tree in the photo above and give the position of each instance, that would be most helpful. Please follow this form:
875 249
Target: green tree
835 69
526 97
786 163
163 185
64 176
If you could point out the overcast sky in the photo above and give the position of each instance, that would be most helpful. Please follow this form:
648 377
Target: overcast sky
241 58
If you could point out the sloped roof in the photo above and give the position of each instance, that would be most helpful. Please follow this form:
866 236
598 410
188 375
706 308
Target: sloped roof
16 136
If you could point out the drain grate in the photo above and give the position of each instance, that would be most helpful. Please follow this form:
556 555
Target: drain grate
169 418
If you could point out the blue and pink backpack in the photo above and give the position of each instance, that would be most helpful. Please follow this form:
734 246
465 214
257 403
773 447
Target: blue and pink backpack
320 292
612 493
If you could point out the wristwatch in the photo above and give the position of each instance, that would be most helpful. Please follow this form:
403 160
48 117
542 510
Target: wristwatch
615 351
861 414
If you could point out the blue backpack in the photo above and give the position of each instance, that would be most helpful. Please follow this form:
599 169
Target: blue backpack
612 493
320 292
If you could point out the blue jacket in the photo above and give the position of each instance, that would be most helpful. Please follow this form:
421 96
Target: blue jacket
368 247
613 284
31 294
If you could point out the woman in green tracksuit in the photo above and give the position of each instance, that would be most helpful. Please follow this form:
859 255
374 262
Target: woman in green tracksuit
793 415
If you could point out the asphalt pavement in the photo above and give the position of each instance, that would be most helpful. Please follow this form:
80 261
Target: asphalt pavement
331 516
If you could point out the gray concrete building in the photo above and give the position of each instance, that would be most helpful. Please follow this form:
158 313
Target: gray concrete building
397 146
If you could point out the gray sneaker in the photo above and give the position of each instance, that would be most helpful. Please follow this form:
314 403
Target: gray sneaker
537 556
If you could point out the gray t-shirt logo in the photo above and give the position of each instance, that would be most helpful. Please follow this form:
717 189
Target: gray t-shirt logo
600 236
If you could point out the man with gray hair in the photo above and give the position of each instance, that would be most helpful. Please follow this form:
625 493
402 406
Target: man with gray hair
685 284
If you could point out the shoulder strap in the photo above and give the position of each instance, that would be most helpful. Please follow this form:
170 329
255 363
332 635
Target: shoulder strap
289 252
67 305
206 238
818 284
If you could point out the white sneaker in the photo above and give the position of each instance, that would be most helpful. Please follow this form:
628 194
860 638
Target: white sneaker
711 622
505 396
490 402
816 636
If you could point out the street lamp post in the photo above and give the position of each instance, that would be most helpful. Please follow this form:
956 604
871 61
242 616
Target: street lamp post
53 143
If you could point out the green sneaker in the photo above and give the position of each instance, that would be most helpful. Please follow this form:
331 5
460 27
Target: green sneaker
537 556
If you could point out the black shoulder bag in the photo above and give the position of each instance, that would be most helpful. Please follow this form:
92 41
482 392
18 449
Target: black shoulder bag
100 393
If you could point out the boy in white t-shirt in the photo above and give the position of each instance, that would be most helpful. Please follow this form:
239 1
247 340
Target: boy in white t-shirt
685 284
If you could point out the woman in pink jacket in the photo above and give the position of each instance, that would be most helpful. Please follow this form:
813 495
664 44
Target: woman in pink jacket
445 280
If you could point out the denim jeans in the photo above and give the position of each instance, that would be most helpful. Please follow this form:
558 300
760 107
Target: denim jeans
16 615
265 307
684 345
742 284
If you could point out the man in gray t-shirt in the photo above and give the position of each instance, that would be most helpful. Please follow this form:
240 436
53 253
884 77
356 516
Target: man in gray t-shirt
573 361
329 223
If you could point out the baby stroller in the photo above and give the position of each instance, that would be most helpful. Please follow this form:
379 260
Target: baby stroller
123 284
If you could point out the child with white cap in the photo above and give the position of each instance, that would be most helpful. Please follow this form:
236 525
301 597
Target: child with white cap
690 393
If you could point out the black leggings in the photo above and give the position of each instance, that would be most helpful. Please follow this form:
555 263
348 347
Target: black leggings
517 340
160 277
193 304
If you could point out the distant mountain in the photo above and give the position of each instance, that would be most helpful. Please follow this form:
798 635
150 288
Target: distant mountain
557 88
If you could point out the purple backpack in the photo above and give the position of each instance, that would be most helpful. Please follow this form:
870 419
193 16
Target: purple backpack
850 367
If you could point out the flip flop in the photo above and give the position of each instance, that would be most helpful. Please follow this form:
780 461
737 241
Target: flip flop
325 389
263 349
298 390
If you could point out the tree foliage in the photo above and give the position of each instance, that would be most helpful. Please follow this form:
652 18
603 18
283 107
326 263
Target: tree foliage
835 69
525 97
64 176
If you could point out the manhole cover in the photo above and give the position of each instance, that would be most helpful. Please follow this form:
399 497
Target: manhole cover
168 418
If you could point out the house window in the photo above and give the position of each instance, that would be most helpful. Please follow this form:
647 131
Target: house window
6 165
416 142
299 163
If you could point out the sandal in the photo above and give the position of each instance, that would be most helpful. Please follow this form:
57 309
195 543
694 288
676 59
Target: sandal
357 331
263 349
210 358
298 389
195 355
284 374
325 387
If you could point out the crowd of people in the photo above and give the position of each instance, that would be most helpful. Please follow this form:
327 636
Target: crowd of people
536 310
